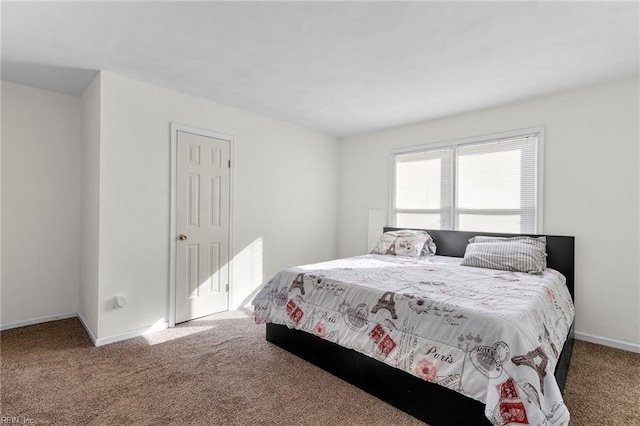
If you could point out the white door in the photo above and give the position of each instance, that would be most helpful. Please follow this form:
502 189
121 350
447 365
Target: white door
202 225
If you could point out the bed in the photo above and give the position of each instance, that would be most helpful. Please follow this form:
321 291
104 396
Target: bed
385 353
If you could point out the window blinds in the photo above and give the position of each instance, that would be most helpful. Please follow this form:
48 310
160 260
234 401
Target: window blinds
490 186
496 186
423 182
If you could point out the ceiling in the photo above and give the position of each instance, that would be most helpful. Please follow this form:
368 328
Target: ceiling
341 68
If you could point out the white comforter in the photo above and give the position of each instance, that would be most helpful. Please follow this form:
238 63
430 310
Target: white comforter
492 335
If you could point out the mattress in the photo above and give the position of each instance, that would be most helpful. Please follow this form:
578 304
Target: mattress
492 335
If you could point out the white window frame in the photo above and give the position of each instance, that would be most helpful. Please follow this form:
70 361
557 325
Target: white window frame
537 132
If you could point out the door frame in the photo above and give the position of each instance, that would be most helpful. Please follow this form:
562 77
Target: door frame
175 128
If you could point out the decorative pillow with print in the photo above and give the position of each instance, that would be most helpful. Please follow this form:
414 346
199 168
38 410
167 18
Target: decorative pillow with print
405 242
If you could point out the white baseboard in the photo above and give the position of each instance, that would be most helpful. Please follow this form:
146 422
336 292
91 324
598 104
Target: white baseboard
131 334
87 329
38 320
96 342
619 344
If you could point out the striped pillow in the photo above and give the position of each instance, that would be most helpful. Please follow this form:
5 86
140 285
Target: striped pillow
519 254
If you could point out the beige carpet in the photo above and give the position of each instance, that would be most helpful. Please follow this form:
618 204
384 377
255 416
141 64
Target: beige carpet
220 371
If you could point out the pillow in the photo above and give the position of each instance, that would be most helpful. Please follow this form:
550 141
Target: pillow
519 254
405 242
538 241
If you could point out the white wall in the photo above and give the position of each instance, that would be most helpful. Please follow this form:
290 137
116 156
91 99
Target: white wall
112 146
41 143
591 189
284 197
90 204
0 204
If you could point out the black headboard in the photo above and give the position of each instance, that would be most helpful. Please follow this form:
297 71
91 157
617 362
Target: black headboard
560 249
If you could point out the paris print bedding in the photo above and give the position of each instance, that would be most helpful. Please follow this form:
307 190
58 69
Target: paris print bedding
492 335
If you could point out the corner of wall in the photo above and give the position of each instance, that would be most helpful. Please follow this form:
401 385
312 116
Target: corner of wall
90 203
0 194
50 184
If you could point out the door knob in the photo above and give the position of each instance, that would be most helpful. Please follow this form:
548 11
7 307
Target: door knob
182 237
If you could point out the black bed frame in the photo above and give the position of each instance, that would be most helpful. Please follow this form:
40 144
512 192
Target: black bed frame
431 403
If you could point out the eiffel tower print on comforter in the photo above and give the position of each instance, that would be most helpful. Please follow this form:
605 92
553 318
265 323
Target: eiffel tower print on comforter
492 335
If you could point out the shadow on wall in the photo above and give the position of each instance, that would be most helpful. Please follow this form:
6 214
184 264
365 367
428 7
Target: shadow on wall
247 273
70 81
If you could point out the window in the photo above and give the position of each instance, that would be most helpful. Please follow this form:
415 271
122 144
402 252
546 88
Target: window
490 184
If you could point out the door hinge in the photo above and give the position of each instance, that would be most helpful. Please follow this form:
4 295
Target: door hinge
229 163
227 288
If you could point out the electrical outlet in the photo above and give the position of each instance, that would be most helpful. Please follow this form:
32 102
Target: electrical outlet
120 301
